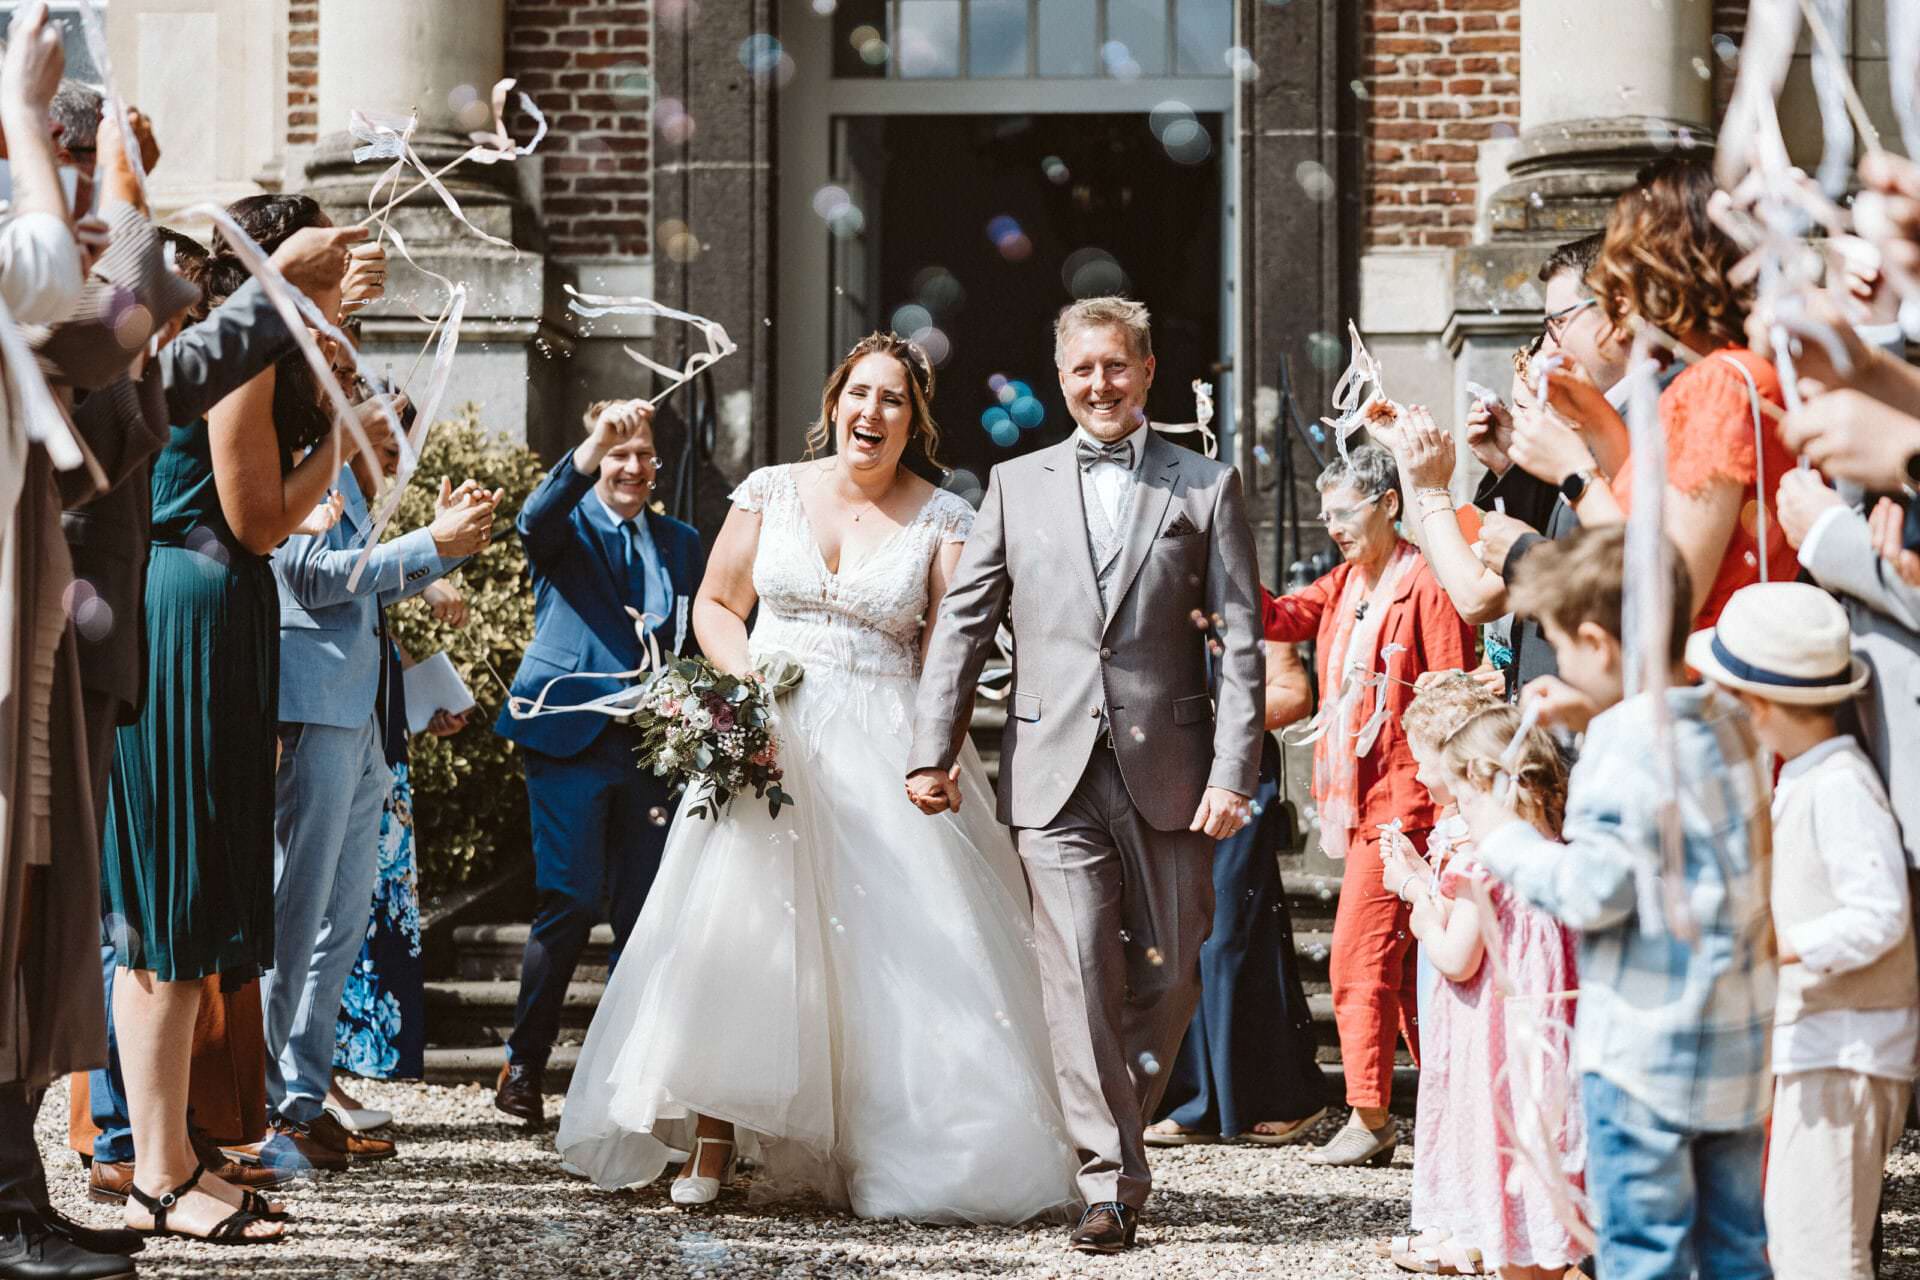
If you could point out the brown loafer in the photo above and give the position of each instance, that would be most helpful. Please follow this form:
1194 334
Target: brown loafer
518 1091
356 1147
239 1167
108 1180
1105 1228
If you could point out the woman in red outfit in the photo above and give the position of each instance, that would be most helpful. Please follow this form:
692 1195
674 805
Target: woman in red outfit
1380 610
1666 265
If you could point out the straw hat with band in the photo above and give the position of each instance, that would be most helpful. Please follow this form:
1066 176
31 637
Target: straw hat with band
1782 641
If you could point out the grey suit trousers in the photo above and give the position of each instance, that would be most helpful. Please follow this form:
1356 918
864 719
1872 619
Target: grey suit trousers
1119 912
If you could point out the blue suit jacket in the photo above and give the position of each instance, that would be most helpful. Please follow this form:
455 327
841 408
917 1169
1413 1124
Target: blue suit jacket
331 647
580 599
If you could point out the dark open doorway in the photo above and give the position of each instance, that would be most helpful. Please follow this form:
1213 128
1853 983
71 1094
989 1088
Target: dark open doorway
988 225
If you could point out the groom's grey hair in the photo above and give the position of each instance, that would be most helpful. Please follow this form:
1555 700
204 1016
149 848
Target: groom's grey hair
1096 313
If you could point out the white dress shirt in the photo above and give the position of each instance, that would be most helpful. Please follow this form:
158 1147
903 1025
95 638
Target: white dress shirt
1108 483
1867 867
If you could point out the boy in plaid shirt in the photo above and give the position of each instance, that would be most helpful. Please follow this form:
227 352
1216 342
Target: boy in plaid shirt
1672 1036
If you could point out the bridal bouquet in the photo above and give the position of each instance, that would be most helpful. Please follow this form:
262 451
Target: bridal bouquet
714 731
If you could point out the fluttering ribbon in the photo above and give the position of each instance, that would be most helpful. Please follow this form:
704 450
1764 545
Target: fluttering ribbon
302 319
1647 605
415 441
1356 394
95 33
717 346
1202 424
620 703
488 148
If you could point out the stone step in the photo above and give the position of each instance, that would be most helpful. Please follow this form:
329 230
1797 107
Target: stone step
479 1011
492 952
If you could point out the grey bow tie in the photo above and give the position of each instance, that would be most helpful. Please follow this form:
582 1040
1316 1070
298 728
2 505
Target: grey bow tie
1120 451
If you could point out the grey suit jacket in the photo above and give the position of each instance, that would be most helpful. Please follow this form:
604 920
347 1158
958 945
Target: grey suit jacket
108 535
1187 552
1885 614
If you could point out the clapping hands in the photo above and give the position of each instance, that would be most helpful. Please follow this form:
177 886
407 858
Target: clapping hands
463 518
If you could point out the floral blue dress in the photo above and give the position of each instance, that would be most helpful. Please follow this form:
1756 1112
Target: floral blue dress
381 1032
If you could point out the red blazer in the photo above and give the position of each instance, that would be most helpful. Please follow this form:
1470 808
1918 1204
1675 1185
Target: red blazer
1422 618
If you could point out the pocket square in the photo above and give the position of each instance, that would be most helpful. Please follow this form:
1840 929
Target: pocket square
1180 527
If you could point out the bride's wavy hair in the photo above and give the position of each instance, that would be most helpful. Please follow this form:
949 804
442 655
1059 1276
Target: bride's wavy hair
923 440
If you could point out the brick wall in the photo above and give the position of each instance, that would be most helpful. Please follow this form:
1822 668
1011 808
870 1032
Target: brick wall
303 71
588 63
1439 77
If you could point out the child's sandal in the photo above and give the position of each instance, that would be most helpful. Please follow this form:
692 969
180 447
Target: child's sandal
1445 1258
231 1229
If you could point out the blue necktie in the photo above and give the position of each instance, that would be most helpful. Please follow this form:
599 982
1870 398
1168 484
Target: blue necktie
642 580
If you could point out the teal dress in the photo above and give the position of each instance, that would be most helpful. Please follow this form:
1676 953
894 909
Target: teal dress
187 874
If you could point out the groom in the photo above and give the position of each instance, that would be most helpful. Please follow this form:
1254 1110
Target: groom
1114 553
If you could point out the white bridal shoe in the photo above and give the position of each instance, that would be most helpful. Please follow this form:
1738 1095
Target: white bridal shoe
694 1189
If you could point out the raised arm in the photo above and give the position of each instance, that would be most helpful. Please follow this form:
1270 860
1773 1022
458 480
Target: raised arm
317 574
1426 456
263 505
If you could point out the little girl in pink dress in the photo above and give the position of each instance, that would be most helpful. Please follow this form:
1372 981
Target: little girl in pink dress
1498 1171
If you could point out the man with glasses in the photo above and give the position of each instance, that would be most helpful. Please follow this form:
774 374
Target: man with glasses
596 552
1576 327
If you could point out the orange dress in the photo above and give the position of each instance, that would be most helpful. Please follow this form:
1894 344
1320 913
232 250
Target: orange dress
1707 416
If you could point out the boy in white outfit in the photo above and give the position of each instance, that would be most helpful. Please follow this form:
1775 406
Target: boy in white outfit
1846 1028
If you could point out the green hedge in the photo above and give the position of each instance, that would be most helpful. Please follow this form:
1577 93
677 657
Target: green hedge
469 800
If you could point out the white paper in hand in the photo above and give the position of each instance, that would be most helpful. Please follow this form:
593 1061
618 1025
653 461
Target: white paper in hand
433 686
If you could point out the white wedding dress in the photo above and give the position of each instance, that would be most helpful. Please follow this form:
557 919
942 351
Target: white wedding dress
852 984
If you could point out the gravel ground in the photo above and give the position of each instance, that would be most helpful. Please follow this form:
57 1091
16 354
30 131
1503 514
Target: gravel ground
475 1196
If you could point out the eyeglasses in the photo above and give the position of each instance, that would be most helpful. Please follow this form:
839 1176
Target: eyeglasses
1557 321
1347 515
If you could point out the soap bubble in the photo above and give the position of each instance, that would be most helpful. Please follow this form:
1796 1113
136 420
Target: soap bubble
1093 272
911 318
1314 180
1150 1064
1056 170
760 53
657 816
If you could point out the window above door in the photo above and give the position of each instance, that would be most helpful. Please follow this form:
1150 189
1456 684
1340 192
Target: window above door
1030 39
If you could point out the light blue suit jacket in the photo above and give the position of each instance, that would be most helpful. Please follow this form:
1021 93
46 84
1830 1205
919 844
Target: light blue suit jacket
331 648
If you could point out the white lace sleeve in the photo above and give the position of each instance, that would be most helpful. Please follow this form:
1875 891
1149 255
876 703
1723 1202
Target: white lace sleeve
751 494
955 516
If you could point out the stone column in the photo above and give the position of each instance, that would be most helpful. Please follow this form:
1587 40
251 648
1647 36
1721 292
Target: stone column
1604 89
441 58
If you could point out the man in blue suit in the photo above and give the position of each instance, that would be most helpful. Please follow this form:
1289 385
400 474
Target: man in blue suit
333 781
599 820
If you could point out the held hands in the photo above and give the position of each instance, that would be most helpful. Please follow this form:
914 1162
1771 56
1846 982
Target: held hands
35 61
463 523
933 791
1802 499
1490 434
324 516
1851 435
1426 452
314 259
1221 813
1886 526
1546 444
448 605
1498 532
365 278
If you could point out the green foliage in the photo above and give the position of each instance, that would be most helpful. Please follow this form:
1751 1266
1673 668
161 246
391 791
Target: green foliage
469 800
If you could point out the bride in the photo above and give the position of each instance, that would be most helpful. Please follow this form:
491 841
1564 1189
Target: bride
848 991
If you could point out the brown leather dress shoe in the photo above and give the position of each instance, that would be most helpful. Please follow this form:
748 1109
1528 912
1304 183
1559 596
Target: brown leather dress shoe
518 1093
323 1143
1107 1227
108 1180
356 1147
240 1167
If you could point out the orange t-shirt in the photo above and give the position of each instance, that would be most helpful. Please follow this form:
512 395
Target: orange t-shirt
1707 417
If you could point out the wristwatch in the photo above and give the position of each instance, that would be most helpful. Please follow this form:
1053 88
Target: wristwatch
1574 487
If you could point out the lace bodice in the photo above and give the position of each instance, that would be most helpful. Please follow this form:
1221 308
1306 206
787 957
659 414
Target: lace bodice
866 618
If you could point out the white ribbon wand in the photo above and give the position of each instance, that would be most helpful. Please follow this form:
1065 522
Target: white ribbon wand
1202 423
718 345
95 32
488 148
616 705
300 316
1357 392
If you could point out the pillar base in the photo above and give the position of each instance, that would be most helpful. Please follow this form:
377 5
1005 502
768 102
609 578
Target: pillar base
1564 177
508 350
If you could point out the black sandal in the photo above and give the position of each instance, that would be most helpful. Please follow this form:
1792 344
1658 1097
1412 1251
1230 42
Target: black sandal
259 1206
229 1230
